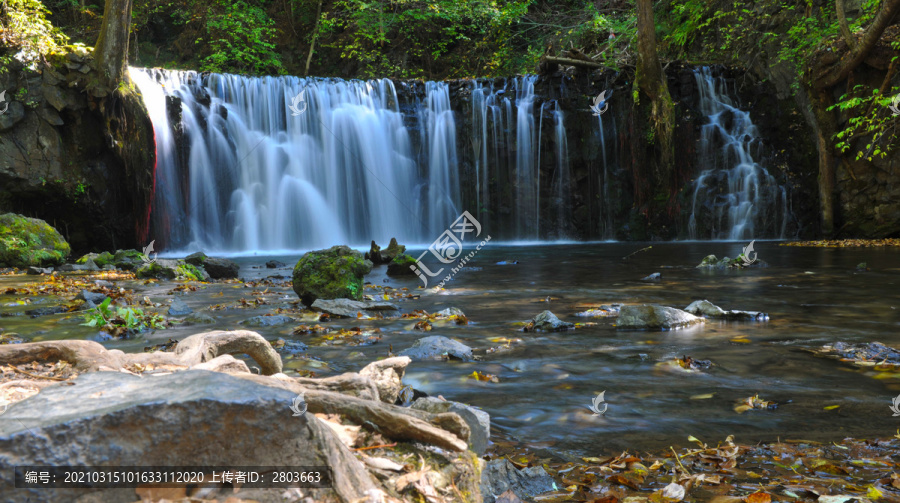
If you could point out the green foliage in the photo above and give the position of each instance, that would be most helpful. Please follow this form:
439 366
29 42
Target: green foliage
131 318
871 126
30 242
428 31
25 28
239 37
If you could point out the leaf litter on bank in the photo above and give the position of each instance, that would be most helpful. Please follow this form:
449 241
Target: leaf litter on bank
797 470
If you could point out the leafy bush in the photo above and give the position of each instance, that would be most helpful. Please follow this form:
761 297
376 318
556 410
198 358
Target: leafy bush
122 319
240 35
25 28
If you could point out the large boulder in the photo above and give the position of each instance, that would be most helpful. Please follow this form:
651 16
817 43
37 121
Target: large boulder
654 317
194 418
351 308
437 346
335 273
478 420
28 242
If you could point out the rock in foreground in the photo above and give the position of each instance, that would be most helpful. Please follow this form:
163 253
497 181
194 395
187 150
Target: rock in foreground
478 420
187 418
335 273
654 317
28 242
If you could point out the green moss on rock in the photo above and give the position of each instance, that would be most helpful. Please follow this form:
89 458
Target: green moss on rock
28 241
189 272
101 259
400 266
335 273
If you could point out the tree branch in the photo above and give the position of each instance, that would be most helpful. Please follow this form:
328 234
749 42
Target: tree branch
836 74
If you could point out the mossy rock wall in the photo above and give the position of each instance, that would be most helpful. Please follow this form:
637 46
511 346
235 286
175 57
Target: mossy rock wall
335 273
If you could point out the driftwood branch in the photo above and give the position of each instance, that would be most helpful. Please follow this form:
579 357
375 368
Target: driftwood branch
446 430
571 62
207 347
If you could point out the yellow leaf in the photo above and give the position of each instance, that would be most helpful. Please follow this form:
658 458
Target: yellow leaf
874 493
741 340
832 407
703 397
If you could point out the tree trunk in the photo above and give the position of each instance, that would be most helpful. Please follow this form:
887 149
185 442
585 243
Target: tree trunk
111 50
832 75
312 45
651 81
824 129
842 22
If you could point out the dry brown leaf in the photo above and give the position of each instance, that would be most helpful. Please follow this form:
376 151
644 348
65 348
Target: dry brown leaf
758 497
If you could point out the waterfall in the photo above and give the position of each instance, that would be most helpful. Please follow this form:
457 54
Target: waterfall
561 183
250 174
734 197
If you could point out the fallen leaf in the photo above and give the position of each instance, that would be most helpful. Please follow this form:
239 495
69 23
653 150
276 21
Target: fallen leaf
758 497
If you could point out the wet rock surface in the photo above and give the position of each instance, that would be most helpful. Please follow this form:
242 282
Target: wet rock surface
437 346
654 317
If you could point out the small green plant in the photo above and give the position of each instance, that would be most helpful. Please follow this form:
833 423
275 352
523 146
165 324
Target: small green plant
122 319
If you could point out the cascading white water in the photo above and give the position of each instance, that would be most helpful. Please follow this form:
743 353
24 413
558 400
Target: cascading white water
250 174
562 177
734 197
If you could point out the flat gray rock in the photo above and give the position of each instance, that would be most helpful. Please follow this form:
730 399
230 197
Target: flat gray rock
348 308
267 321
499 476
437 346
195 417
179 308
654 317
710 310
478 420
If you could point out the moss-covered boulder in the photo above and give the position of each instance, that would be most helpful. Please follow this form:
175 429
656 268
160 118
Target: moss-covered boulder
400 266
392 251
101 259
28 242
335 273
129 259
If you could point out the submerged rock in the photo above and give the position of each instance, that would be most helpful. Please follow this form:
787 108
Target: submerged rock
478 420
711 262
275 264
450 311
652 316
548 322
350 308
208 418
710 310
437 346
200 319
179 308
28 241
499 476
36 271
335 273
653 277
267 321
44 311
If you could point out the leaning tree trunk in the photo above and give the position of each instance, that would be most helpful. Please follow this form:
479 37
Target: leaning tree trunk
829 69
129 131
651 83
111 50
